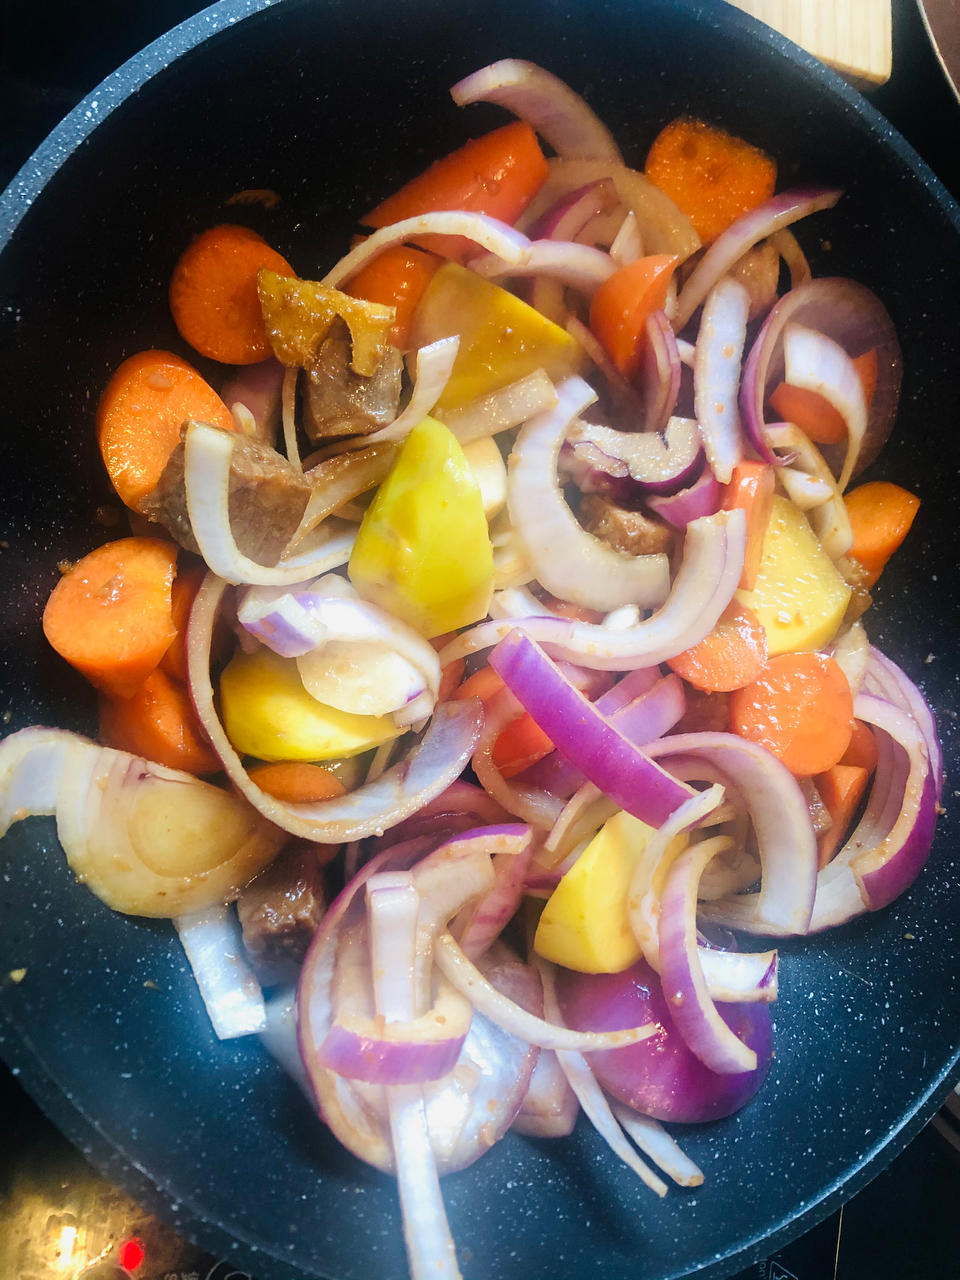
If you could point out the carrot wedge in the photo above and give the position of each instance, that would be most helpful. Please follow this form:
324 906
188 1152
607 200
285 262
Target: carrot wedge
398 278
734 654
880 514
159 723
751 489
841 788
297 781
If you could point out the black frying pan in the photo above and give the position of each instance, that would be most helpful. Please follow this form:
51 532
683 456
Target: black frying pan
332 105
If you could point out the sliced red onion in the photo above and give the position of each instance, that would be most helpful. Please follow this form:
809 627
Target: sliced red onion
857 320
482 923
461 800
584 735
716 375
567 560
660 1077
654 1141
659 373
804 490
625 463
108 806
781 821
228 986
662 226
702 589
624 392
779 211
509 1015
851 652
759 273
550 1106
530 804
404 788
489 233
256 387
336 481
566 219
503 409
207 481
828 518
545 102
627 244
814 362
735 976
702 498
884 678
279 1036
579 266
434 366
288 416
788 247
694 1013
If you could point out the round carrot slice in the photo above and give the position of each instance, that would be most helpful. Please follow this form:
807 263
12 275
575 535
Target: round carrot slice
733 655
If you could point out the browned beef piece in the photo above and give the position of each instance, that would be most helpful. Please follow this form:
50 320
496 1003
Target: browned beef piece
279 913
267 500
624 530
340 402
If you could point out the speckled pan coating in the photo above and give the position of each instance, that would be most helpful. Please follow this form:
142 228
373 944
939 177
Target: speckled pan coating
331 104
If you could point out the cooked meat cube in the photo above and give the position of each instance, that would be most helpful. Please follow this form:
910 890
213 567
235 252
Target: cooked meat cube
279 913
267 500
622 529
340 402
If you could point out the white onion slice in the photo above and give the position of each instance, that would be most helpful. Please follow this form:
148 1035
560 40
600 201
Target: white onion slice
702 589
627 243
814 362
545 102
503 409
288 401
230 991
716 375
828 518
567 560
654 1141
580 266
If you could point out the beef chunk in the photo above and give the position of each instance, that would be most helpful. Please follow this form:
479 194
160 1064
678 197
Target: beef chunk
340 402
622 529
267 500
279 913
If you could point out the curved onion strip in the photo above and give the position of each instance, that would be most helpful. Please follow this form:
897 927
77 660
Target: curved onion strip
591 1096
785 839
583 814
627 245
545 102
716 375
489 233
702 589
530 804
659 372
256 388
828 519
804 490
228 986
550 1106
207 455
434 366
580 266
702 498
761 222
605 459
501 410
567 560
655 1143
885 678
470 982
623 391
814 362
480 924
663 227
788 247
737 976
288 401
335 481
401 791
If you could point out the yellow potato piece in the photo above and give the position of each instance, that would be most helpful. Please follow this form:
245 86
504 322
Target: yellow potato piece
585 925
267 713
501 337
799 596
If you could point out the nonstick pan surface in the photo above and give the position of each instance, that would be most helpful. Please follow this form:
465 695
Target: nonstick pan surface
332 105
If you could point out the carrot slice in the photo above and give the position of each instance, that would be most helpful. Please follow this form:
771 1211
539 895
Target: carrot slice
733 655
800 709
713 176
813 414
497 174
158 722
297 781
841 788
184 591
623 304
213 294
880 514
862 750
141 412
397 277
522 742
751 489
111 616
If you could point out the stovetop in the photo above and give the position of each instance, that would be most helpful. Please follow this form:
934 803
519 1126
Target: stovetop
59 1218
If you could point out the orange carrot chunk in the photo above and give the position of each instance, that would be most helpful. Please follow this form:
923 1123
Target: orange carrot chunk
624 303
713 176
880 514
159 723
497 174
813 413
213 294
141 412
297 781
800 709
111 616
751 489
841 789
522 742
184 591
397 277
733 655
862 750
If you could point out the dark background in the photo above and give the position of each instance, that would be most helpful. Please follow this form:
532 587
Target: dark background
904 1224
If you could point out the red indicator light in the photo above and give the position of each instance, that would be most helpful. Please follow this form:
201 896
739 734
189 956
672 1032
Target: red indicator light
130 1254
